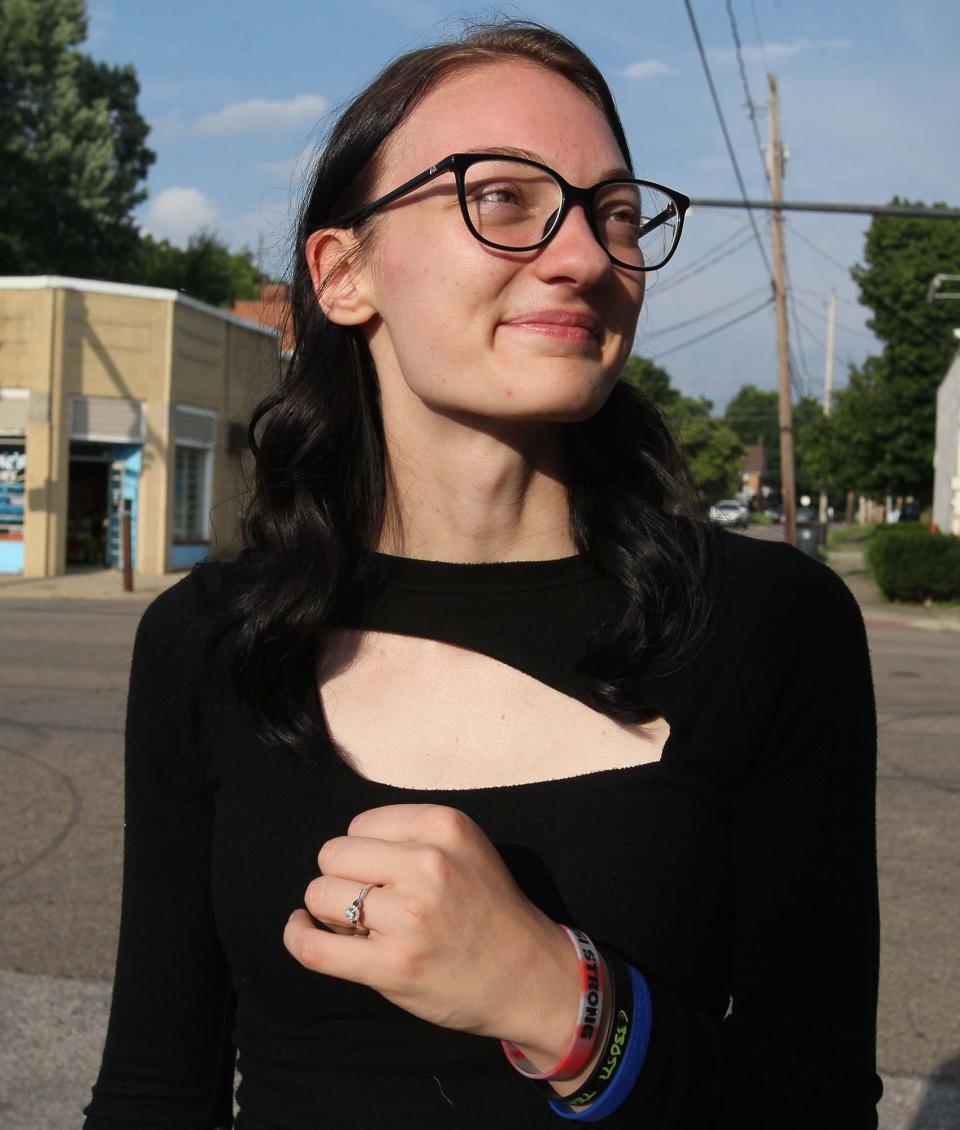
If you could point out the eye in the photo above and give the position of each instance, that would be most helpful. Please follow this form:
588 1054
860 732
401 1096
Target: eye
621 213
497 195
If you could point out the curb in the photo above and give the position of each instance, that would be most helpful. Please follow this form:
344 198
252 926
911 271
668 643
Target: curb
909 622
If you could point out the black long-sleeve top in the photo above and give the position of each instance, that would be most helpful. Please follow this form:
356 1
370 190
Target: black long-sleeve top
738 873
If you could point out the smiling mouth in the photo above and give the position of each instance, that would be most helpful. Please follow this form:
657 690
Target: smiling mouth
558 325
555 330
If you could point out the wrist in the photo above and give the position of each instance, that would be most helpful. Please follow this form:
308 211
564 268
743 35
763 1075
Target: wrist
550 1017
571 1086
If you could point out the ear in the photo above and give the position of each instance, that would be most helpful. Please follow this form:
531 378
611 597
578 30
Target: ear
337 277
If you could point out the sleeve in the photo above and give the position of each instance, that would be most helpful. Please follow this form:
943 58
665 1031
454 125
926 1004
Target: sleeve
167 1060
797 1047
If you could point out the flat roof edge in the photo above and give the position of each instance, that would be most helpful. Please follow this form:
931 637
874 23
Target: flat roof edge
130 290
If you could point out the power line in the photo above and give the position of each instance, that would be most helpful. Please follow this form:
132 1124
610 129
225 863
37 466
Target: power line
715 330
691 271
818 313
793 304
818 340
903 210
726 137
888 307
751 105
716 247
706 313
756 28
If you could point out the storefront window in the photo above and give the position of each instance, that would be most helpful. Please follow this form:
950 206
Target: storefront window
13 466
189 492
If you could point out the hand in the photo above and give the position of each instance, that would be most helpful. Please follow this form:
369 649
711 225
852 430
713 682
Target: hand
452 939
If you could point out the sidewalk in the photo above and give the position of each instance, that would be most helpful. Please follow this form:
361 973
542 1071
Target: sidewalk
877 612
107 584
849 564
86 583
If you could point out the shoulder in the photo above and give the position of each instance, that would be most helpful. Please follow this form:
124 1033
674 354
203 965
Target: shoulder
777 608
777 580
185 615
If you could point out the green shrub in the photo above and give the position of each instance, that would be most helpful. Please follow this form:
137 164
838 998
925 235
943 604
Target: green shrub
839 536
908 562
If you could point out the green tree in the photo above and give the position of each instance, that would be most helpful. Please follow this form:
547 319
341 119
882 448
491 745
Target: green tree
809 423
753 414
895 392
205 269
72 147
712 449
652 380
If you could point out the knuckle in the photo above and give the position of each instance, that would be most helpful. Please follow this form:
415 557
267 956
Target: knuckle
434 865
307 950
402 968
313 896
414 908
329 854
450 824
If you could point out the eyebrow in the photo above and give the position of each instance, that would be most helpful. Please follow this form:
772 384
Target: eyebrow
531 155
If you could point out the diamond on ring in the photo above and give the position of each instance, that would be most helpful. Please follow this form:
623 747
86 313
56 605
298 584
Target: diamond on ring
352 913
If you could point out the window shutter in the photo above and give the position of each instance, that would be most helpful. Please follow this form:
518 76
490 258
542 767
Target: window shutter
14 405
107 418
194 428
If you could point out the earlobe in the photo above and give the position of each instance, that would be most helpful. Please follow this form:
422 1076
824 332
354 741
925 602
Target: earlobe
336 277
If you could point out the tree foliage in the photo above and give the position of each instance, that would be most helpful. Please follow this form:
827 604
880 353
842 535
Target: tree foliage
753 414
879 439
712 449
205 269
72 147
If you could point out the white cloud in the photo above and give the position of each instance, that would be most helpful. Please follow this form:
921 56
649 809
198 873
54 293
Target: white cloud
176 213
645 68
259 115
773 51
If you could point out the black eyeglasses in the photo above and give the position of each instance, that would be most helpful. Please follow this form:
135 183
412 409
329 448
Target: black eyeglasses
514 204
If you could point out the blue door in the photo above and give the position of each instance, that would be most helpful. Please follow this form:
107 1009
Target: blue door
123 483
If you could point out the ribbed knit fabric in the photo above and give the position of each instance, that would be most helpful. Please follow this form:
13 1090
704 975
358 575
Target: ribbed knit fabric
738 873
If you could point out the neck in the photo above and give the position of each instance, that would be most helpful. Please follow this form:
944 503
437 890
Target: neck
478 497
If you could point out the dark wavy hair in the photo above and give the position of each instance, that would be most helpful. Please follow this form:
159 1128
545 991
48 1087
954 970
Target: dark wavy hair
323 489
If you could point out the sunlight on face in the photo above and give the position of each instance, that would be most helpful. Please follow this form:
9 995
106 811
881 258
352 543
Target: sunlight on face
474 330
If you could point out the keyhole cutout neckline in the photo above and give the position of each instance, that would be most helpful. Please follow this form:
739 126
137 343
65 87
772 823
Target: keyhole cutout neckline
354 739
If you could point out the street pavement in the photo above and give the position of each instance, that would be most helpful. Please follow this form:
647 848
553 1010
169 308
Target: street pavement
63 676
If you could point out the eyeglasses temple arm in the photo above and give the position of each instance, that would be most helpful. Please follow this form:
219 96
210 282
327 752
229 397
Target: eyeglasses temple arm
352 218
670 210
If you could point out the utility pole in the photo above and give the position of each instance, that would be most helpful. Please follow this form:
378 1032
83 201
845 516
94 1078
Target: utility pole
828 380
787 476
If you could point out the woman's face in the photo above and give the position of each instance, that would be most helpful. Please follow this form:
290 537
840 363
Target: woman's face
467 327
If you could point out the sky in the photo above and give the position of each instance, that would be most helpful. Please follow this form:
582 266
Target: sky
239 94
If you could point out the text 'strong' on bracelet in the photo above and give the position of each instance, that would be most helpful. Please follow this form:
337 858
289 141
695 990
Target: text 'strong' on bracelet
587 1032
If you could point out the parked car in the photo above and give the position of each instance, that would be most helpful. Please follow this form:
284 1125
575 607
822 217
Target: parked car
730 512
806 515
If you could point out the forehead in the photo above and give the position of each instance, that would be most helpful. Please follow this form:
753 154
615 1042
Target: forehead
505 104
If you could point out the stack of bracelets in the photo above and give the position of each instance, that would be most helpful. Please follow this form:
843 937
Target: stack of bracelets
617 1070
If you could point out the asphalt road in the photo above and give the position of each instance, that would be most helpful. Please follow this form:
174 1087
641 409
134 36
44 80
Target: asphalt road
63 674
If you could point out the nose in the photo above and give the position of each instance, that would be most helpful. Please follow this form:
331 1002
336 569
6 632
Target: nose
574 251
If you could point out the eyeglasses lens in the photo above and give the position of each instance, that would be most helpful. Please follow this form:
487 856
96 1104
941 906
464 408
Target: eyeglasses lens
514 205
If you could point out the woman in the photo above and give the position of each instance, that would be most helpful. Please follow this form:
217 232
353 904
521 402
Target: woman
444 803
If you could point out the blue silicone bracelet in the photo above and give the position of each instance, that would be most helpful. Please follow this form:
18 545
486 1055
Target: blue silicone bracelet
633 1058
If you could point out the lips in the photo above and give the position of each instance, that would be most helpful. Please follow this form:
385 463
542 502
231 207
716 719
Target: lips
574 324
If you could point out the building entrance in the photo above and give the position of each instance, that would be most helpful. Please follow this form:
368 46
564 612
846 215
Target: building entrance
88 505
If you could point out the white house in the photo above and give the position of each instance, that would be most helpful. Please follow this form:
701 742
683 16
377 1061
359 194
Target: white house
946 458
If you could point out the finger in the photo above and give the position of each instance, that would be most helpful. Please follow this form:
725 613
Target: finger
406 823
327 898
362 860
350 958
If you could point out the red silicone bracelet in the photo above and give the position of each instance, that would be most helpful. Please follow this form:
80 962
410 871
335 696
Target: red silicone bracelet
587 1032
